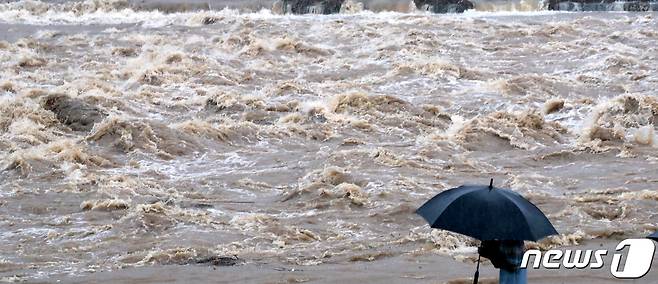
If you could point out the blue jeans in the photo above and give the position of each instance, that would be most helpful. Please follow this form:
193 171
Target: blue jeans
519 276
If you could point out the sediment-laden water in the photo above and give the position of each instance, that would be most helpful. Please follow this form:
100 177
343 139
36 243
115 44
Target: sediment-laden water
135 137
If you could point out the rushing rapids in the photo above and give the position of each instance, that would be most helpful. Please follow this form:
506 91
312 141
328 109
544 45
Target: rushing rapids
459 6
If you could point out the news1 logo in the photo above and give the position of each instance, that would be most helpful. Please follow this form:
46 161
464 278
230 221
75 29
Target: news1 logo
636 264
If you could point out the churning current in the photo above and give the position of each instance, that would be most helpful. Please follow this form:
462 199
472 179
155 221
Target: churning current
133 137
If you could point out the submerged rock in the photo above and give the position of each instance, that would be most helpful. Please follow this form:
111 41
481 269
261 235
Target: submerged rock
219 260
606 5
74 113
311 6
444 6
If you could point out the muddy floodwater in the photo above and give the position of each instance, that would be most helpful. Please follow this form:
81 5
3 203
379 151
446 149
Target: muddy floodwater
138 139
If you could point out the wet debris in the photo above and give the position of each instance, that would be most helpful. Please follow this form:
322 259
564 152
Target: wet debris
216 260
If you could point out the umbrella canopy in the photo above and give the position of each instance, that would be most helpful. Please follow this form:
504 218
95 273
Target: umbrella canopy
486 213
653 236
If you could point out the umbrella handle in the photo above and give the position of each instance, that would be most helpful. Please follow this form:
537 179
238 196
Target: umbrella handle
477 272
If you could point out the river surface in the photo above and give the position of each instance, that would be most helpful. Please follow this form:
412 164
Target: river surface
134 137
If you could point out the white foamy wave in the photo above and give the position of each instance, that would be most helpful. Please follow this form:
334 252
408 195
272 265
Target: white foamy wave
113 17
94 12
113 12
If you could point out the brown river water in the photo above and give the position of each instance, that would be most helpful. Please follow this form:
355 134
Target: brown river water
134 138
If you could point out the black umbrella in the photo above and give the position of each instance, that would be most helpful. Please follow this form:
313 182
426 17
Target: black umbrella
486 213
653 236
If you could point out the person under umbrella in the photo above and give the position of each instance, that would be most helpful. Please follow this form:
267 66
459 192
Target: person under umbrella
500 218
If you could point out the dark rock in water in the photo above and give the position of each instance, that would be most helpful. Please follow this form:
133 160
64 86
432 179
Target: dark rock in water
220 260
209 20
641 6
317 116
224 105
444 6
75 113
312 6
603 5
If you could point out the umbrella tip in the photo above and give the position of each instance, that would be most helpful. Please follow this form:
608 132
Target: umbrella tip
491 184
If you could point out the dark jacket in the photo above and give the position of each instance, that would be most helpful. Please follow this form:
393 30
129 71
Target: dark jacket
505 255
